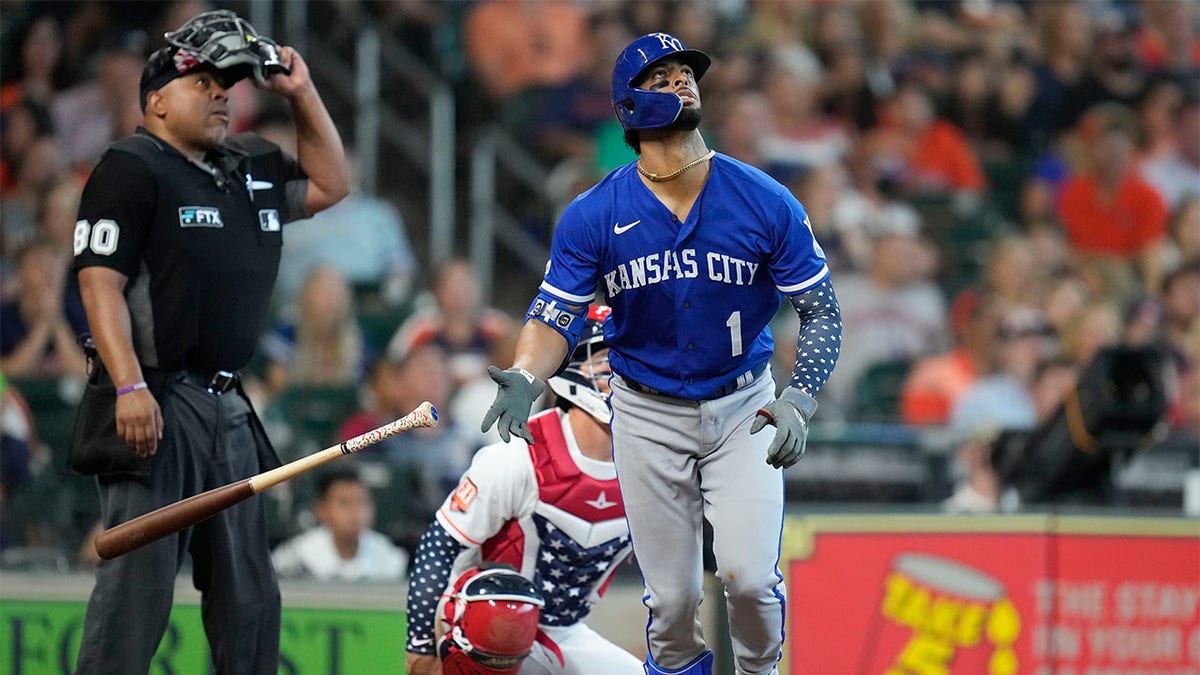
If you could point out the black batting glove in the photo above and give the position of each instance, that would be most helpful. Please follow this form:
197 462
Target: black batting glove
789 414
509 412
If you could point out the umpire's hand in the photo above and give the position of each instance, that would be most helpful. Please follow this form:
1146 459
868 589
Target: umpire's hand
789 414
509 412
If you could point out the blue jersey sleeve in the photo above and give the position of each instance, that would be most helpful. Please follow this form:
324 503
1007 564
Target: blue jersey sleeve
574 257
797 262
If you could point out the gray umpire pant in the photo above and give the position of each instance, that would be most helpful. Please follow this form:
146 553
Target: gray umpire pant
208 441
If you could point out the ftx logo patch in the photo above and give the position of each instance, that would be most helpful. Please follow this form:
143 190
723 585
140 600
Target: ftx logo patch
200 216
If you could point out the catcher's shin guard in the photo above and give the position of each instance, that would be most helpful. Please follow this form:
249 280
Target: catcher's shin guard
702 665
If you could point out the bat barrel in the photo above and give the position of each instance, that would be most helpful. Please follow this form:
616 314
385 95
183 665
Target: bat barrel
170 519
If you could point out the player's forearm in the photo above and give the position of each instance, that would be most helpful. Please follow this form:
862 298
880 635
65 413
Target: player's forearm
103 296
820 339
540 349
431 574
320 152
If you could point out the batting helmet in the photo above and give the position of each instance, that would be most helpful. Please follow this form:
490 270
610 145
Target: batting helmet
491 620
230 44
572 382
642 109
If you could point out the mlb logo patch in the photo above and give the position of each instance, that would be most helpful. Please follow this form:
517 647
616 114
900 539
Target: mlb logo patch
200 216
268 220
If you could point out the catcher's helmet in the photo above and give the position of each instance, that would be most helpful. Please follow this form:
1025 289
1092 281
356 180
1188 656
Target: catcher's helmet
491 617
230 44
642 109
577 386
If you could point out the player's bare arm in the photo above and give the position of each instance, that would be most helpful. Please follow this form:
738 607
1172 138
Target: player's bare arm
540 349
139 420
318 145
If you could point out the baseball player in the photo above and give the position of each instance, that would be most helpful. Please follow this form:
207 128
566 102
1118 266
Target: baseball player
176 249
694 251
551 509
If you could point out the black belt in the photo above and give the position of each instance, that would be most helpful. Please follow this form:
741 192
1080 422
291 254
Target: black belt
724 390
216 383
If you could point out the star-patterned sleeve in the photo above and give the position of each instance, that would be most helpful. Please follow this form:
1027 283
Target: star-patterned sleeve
820 340
431 574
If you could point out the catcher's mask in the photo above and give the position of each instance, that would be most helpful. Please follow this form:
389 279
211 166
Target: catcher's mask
641 109
491 619
219 39
578 381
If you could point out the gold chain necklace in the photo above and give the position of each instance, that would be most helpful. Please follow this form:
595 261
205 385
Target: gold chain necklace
662 178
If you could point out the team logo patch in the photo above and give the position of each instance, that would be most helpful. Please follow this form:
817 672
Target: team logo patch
463 495
200 216
268 220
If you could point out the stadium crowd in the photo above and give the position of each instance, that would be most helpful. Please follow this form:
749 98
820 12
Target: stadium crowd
1003 189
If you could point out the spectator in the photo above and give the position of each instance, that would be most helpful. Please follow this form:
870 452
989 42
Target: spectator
41 48
1093 327
1114 219
38 329
1114 73
415 469
799 137
739 128
1011 274
42 165
921 153
457 321
25 123
1064 32
516 44
323 345
342 546
91 115
363 236
17 447
1184 229
1181 309
568 115
891 311
1176 174
937 382
1003 396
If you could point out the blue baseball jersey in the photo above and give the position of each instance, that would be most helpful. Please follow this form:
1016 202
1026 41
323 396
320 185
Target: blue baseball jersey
691 300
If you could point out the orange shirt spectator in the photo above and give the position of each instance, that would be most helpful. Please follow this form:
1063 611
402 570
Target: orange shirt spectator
942 158
934 385
1133 217
514 44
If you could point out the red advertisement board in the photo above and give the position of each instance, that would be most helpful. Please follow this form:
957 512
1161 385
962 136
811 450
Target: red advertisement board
942 595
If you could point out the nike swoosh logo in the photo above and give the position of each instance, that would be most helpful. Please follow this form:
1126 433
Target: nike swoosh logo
618 228
421 642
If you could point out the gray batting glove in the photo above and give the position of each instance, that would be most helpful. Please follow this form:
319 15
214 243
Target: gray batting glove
518 390
789 414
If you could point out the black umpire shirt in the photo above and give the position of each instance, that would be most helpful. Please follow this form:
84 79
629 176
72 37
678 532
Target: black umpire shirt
199 242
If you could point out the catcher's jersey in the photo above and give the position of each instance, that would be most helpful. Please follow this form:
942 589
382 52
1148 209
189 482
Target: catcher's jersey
552 513
691 299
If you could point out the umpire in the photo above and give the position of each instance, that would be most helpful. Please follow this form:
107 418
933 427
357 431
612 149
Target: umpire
177 247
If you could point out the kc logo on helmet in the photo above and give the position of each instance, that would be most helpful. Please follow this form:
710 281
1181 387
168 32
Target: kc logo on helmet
669 41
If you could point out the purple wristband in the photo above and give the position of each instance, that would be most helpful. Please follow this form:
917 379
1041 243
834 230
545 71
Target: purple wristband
133 387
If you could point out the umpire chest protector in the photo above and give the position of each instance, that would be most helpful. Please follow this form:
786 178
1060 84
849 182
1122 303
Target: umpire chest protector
199 241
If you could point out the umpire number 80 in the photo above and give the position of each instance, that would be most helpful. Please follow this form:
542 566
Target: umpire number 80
101 237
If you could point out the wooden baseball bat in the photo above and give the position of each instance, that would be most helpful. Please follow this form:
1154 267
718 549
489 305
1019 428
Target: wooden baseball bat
172 518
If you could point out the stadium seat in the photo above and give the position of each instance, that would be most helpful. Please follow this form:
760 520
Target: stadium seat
876 395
